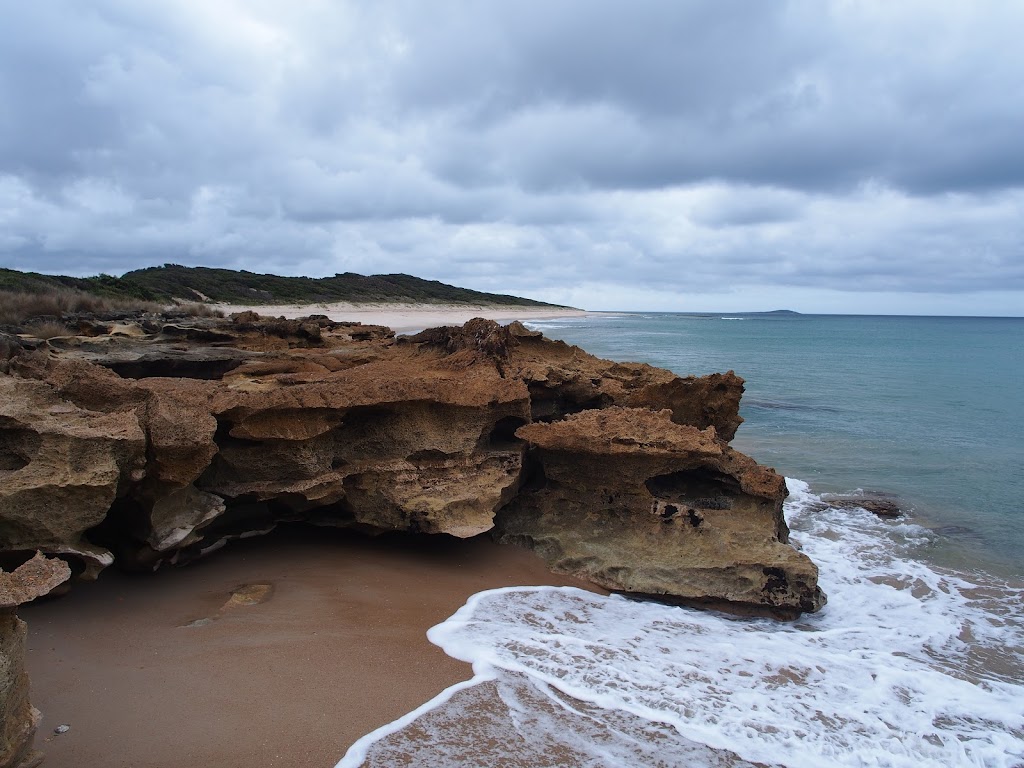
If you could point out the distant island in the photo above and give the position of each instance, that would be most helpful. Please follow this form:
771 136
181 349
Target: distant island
731 315
173 282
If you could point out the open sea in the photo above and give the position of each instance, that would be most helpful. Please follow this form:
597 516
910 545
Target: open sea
918 658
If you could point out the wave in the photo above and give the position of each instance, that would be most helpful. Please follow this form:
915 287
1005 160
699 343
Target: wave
908 665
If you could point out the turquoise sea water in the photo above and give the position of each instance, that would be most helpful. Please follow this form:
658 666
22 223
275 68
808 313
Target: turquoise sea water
918 658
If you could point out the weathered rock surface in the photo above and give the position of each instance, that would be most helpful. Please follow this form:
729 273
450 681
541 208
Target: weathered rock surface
636 503
152 441
61 468
18 719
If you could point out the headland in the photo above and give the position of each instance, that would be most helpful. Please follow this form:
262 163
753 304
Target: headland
150 440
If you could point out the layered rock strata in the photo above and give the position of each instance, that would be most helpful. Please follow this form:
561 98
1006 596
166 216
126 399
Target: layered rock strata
150 440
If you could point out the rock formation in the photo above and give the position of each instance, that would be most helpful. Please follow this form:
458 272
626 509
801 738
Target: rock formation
636 503
18 719
145 440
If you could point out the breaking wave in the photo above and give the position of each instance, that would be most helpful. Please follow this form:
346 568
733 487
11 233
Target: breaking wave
908 665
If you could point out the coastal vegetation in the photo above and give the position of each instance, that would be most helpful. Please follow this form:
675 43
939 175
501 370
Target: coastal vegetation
32 301
38 294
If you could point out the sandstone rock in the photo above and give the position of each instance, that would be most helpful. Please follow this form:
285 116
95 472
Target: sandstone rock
177 517
390 446
61 469
18 719
630 500
563 380
247 595
34 578
160 447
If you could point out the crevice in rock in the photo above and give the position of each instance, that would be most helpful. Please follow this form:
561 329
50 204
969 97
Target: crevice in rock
17 448
123 531
502 436
13 558
532 475
426 456
165 366
701 487
554 404
774 581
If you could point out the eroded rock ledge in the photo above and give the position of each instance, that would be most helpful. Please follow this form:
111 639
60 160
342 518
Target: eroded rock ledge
18 718
150 440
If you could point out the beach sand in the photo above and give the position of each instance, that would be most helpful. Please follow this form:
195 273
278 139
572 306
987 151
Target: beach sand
144 678
406 318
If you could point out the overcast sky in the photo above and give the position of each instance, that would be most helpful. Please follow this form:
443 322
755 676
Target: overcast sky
821 156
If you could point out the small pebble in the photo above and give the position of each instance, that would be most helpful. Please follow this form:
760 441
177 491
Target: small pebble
62 729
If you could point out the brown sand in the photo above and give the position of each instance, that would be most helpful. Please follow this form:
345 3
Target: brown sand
336 650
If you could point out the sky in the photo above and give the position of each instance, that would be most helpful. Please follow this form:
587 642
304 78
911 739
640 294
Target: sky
856 156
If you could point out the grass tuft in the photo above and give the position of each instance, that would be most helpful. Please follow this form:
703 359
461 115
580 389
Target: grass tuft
20 307
48 329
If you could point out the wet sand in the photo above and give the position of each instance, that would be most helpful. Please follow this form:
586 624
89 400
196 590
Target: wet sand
151 671
407 318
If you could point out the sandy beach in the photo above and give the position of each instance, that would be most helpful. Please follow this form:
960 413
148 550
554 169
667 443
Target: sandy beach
153 671
407 318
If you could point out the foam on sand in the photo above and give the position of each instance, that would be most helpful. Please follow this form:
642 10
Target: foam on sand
908 665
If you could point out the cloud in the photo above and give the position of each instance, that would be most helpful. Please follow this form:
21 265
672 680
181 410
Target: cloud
655 153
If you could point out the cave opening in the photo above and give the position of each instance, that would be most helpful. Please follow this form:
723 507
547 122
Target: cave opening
699 487
502 435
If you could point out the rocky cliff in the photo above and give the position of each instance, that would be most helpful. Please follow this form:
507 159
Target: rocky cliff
150 440
144 440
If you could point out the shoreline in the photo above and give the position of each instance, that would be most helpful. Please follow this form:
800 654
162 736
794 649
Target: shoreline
407 318
151 671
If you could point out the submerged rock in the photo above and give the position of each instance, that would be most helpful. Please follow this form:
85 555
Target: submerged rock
160 445
877 505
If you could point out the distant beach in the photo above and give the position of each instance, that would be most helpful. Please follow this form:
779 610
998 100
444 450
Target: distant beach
406 318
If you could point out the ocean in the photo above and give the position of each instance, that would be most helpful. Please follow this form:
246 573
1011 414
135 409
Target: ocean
918 658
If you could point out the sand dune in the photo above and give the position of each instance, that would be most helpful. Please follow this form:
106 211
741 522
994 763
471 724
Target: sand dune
407 318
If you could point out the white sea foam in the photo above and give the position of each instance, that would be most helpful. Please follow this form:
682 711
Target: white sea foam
536 325
907 666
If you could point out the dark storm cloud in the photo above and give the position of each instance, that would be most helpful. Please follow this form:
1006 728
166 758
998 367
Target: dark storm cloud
530 146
